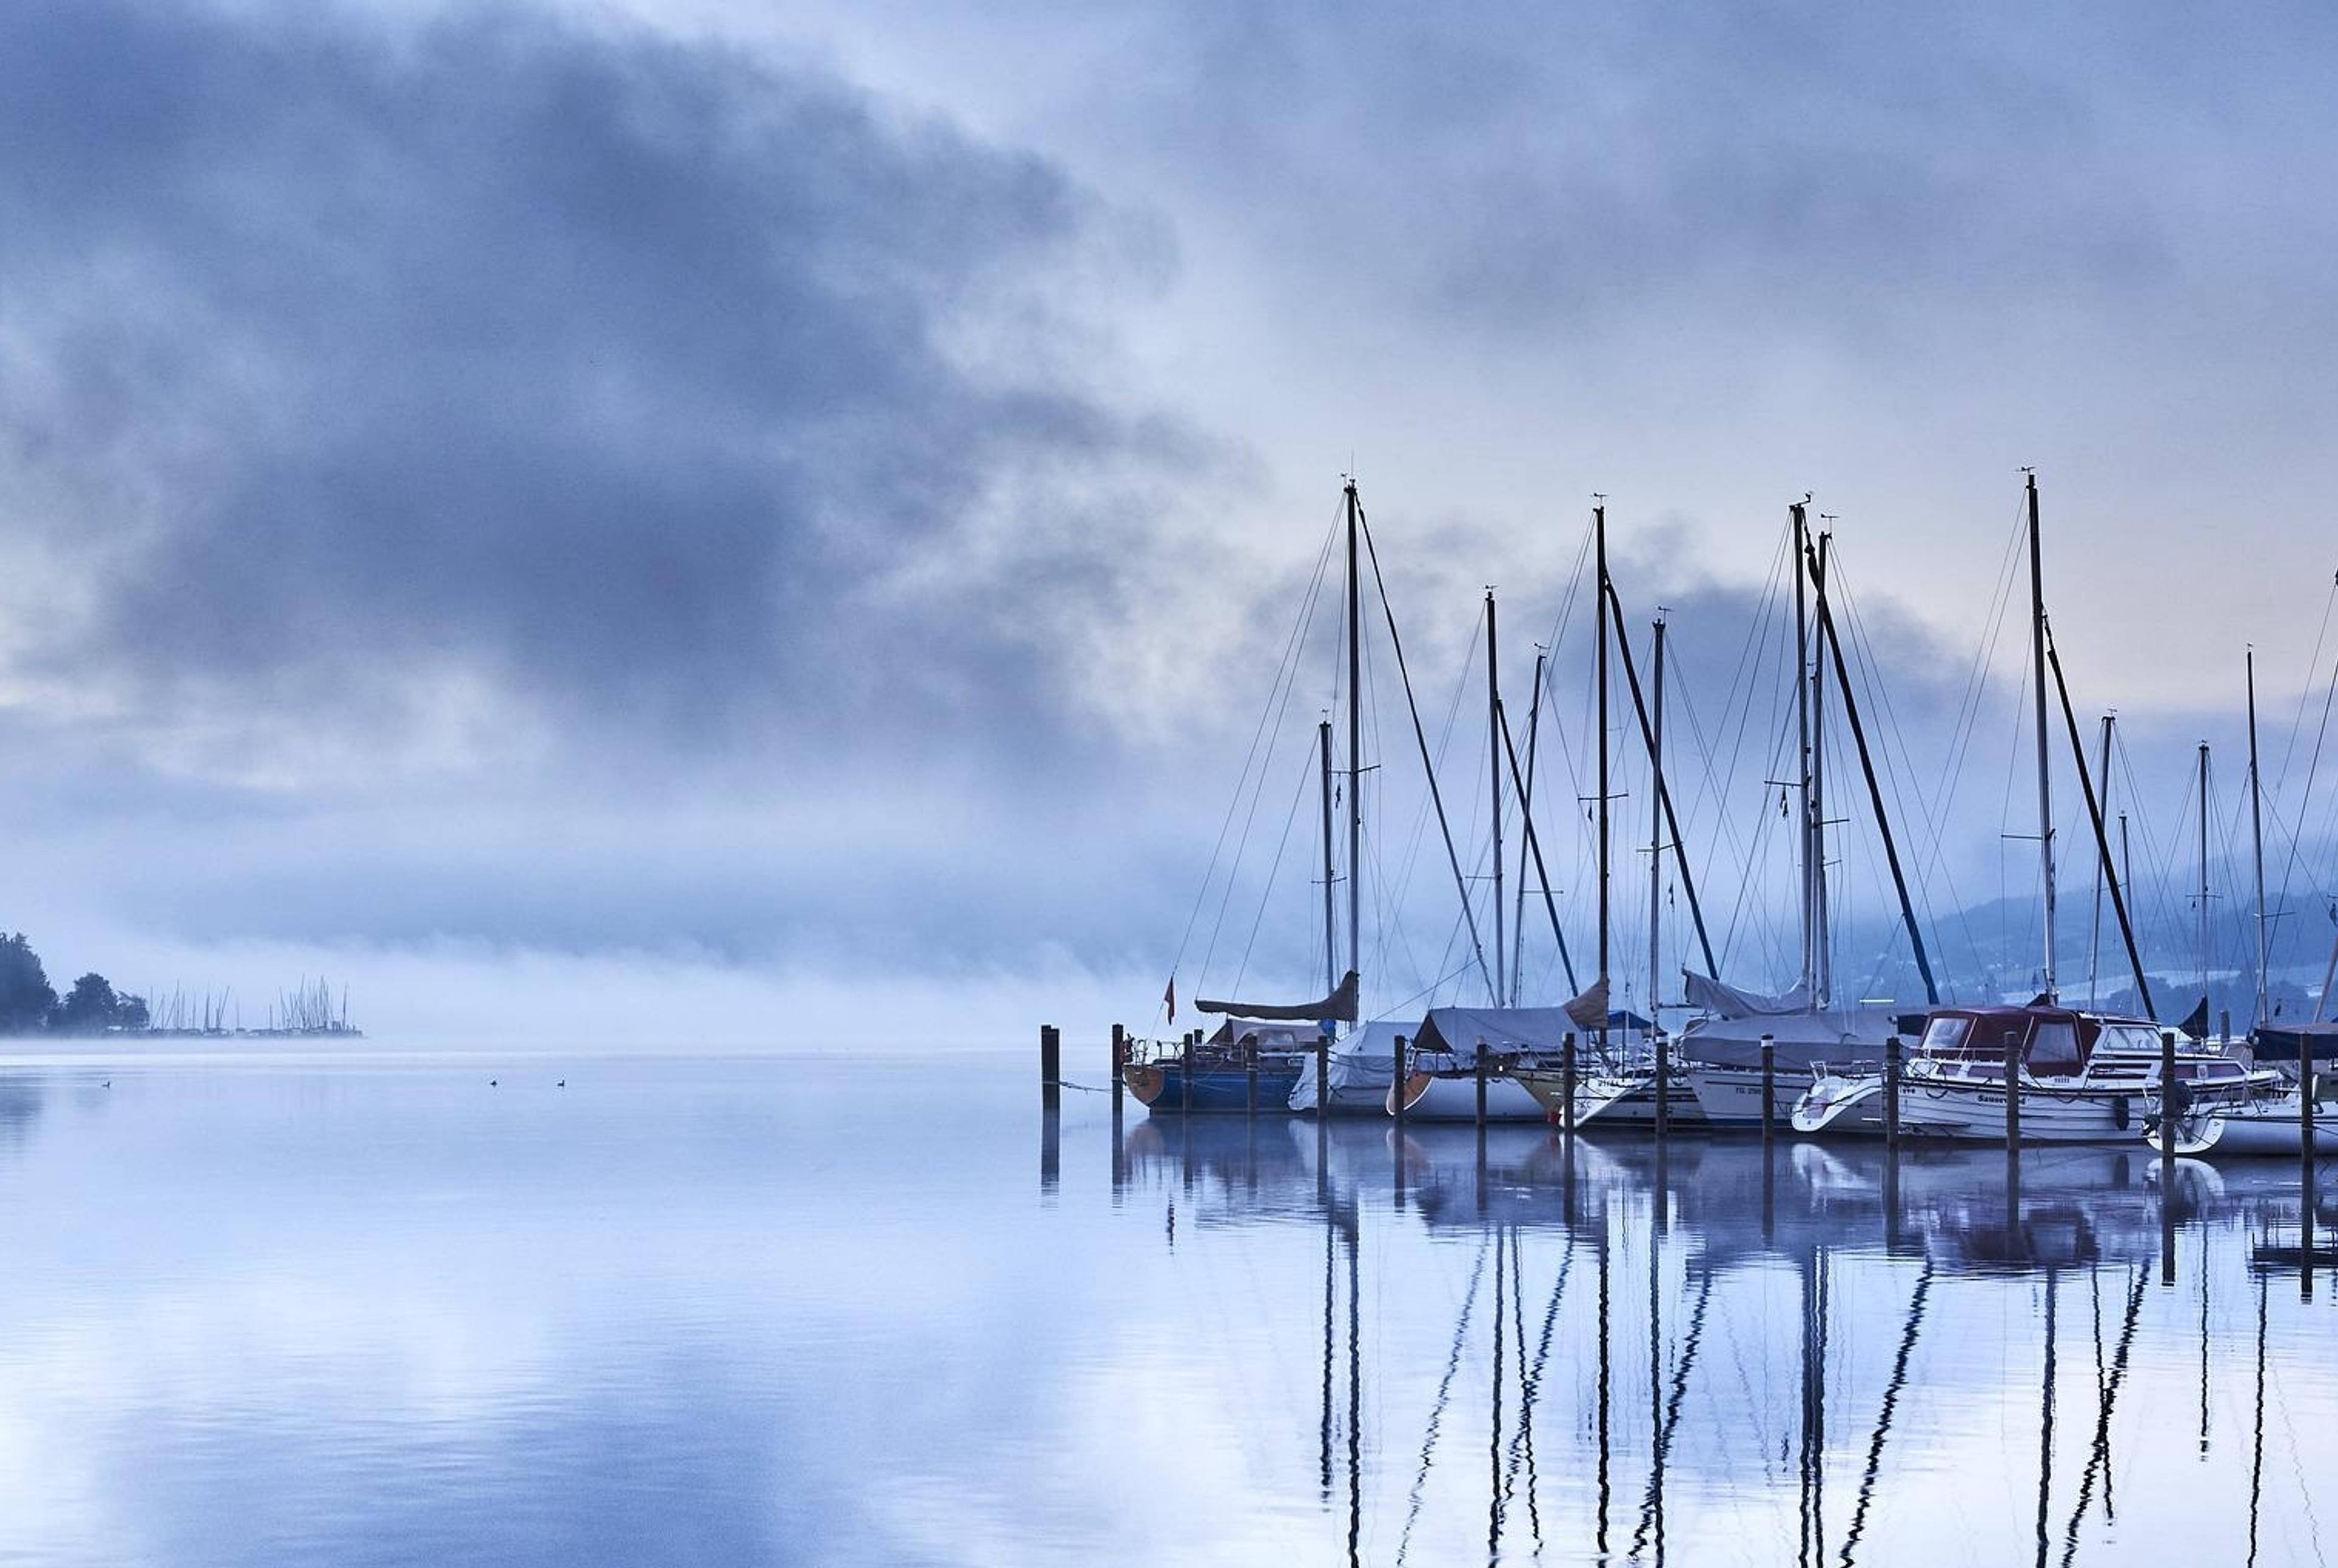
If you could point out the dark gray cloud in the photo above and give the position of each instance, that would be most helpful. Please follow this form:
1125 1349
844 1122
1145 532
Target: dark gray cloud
646 387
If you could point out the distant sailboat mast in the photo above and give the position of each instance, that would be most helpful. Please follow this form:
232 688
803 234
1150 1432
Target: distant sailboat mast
1355 745
2045 783
2203 874
2256 839
1330 923
2095 923
1802 759
1655 829
1822 943
1494 781
1599 680
1526 814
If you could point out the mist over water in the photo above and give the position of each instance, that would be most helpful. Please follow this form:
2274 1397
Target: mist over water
378 1309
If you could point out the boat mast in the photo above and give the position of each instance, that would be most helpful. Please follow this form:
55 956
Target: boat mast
1803 723
1331 924
2095 922
1822 947
1526 813
2256 835
2203 873
1355 744
1494 784
1599 680
1656 833
2045 782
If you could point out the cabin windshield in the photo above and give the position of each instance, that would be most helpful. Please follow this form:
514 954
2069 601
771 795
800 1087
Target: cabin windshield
1942 1035
2131 1037
2054 1047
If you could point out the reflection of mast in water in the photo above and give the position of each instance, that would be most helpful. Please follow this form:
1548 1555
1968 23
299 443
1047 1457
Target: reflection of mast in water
1530 1389
1494 1405
1812 1546
1652 1506
2045 1436
1355 1404
1606 1384
1331 1248
2204 1350
1891 1391
2256 1457
2098 1459
1444 1394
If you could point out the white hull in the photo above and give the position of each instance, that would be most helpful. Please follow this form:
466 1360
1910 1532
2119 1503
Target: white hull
2264 1129
1731 1096
1613 1099
1844 1106
1976 1112
1436 1097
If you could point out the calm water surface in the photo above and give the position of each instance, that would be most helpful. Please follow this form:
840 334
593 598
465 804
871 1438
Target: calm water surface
374 1311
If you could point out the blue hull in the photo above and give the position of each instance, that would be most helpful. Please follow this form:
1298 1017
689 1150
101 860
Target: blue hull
1219 1088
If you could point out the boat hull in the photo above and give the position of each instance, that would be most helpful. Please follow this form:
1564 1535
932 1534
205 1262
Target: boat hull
1160 1088
2246 1133
1615 1101
1975 1112
1453 1097
1731 1096
1842 1107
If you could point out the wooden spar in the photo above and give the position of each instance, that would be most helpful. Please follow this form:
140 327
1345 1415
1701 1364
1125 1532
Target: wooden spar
1664 789
1420 738
2045 783
1534 845
2102 838
1494 787
1875 799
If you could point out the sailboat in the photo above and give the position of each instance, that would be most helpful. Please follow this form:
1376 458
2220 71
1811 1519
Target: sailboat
2083 1076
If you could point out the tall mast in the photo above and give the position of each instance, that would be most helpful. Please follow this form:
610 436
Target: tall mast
1526 812
2203 871
1655 829
1331 924
1802 757
1355 747
2256 834
1821 947
1599 680
2045 782
1494 783
2095 923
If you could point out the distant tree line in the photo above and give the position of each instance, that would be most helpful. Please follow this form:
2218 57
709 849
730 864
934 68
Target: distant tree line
28 1002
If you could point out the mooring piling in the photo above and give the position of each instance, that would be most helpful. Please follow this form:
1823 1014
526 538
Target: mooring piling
1051 1066
1481 1092
1567 1085
1185 1072
1891 1065
2013 1090
1664 1083
1119 1065
1769 1089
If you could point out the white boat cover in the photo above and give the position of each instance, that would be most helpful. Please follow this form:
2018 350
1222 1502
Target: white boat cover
1363 1067
1709 995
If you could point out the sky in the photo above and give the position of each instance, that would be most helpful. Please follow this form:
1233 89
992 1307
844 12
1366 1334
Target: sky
722 523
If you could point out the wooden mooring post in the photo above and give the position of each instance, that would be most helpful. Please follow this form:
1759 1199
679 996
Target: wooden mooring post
1892 1060
2013 1090
1250 1077
1051 1066
1769 1089
1323 1076
1185 1071
1481 1094
1566 1085
1663 1090
1119 1066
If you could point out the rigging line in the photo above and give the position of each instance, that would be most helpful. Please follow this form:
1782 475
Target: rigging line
2305 694
1298 633
1444 1394
2313 768
1891 1391
1287 679
1266 894
1396 645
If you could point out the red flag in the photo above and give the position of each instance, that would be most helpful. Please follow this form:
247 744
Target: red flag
1169 999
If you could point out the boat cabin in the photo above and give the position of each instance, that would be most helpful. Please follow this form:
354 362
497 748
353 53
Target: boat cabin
2053 1040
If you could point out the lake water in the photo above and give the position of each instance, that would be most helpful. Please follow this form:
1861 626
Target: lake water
372 1309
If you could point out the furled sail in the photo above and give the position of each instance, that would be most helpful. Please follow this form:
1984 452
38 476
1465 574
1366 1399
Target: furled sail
1726 1001
1589 1011
1339 1007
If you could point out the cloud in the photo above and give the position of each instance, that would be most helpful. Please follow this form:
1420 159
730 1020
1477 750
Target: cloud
496 376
